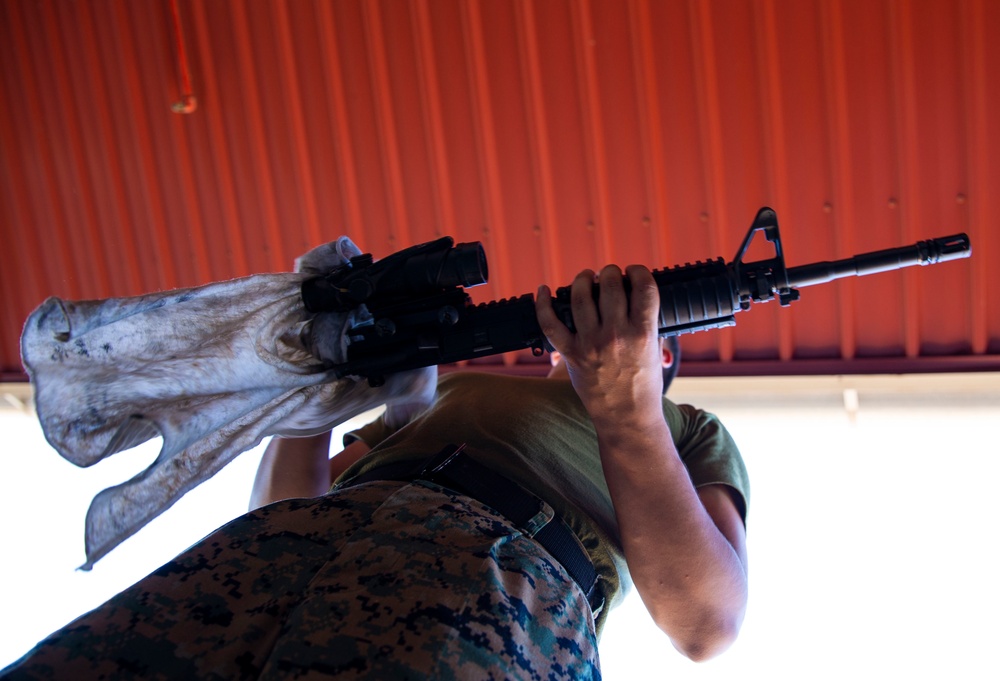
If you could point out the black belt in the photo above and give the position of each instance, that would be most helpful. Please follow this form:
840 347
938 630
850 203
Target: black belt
453 469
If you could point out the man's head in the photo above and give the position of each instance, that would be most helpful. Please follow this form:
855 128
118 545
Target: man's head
669 346
672 348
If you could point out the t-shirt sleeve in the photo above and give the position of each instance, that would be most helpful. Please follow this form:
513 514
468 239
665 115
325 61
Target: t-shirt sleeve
371 434
709 452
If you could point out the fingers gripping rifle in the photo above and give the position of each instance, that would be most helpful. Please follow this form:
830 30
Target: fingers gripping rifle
421 314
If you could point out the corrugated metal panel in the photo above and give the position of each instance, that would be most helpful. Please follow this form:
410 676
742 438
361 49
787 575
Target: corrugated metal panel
563 134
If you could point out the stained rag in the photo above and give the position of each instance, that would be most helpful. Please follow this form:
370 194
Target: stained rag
212 369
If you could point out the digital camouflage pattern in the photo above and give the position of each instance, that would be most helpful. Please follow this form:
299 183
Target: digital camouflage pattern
384 580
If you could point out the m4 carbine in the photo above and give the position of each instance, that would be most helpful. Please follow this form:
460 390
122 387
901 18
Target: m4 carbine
421 314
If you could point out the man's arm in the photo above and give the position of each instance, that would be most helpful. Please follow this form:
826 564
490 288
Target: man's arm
685 548
300 467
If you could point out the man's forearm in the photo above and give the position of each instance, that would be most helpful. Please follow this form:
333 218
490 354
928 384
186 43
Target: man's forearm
292 468
690 576
686 557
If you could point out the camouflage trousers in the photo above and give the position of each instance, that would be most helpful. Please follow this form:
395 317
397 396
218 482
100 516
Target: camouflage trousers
384 580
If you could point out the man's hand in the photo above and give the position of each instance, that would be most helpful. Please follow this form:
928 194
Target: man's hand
614 356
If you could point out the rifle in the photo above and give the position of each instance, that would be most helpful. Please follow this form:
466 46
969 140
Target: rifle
422 316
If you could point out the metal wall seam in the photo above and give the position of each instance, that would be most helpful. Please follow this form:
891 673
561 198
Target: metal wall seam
220 153
593 129
187 200
23 285
775 140
981 202
144 155
650 129
435 135
103 136
263 155
904 99
487 145
55 255
385 117
60 178
335 95
710 129
86 240
30 273
300 148
833 46
538 140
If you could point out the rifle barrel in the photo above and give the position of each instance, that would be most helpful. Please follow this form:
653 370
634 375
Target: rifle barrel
926 252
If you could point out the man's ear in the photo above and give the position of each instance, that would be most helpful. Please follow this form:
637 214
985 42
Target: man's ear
668 356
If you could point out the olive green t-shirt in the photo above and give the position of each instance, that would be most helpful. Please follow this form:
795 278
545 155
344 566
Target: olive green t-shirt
536 432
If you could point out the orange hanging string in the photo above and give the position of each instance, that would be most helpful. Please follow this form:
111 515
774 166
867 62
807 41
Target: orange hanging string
188 102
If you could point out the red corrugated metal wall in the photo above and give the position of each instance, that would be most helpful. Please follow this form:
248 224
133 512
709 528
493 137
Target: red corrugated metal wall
563 134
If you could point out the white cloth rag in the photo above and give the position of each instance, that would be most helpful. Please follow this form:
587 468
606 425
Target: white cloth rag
212 369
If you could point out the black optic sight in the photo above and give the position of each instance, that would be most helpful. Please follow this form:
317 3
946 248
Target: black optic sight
416 271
